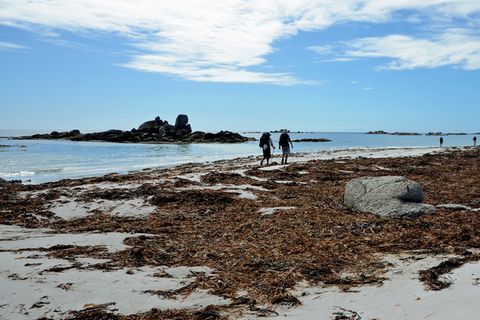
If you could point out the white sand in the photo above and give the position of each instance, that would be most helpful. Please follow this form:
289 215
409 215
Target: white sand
242 190
352 154
403 297
87 287
68 208
15 238
24 281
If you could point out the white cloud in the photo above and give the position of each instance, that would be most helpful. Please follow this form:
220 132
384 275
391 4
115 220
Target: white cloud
453 48
208 40
10 46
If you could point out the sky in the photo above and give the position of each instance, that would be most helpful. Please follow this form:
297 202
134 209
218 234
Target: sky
314 65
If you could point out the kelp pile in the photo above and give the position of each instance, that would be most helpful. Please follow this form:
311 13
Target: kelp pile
320 241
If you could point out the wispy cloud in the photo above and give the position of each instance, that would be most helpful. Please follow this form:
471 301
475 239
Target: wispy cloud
454 48
220 41
11 46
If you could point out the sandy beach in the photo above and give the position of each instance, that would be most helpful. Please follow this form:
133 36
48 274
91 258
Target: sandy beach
233 240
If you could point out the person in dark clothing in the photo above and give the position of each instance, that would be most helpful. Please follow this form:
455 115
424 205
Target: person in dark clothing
285 143
266 144
475 141
441 142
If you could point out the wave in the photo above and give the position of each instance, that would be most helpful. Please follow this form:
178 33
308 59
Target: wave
19 174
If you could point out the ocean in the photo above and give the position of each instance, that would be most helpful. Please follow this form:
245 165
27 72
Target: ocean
38 161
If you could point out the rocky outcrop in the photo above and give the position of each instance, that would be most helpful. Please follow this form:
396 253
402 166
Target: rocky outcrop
446 134
390 196
394 133
312 140
154 131
3 183
181 122
151 126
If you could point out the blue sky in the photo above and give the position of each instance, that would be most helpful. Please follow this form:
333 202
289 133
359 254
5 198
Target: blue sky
398 65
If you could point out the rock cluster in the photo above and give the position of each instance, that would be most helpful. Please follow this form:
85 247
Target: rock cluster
389 196
154 131
381 132
3 182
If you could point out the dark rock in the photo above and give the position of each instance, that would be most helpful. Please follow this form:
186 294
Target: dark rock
209 136
151 126
181 121
113 131
167 130
182 133
3 183
74 132
312 140
156 130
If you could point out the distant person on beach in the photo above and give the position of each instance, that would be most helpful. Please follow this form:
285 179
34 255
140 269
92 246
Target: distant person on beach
285 143
475 141
266 144
441 142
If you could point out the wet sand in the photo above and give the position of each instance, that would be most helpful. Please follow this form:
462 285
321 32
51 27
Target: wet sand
231 240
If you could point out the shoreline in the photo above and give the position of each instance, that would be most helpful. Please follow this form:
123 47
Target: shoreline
272 241
295 157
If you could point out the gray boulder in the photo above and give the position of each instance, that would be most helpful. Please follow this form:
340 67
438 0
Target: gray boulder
390 196
181 121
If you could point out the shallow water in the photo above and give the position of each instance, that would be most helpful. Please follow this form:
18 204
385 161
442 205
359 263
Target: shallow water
38 161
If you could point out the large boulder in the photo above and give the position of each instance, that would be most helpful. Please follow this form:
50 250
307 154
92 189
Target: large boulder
181 121
390 196
151 126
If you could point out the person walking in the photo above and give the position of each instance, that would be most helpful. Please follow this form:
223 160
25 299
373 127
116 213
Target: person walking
285 143
441 142
266 144
475 141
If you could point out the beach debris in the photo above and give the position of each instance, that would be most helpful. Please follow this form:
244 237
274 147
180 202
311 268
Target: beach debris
218 177
270 211
457 207
322 243
192 196
345 314
435 278
388 196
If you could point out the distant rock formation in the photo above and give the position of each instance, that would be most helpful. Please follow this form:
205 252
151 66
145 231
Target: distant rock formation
446 134
151 126
389 196
153 131
395 133
312 140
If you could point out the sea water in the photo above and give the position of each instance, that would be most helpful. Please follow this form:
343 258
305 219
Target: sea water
37 161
